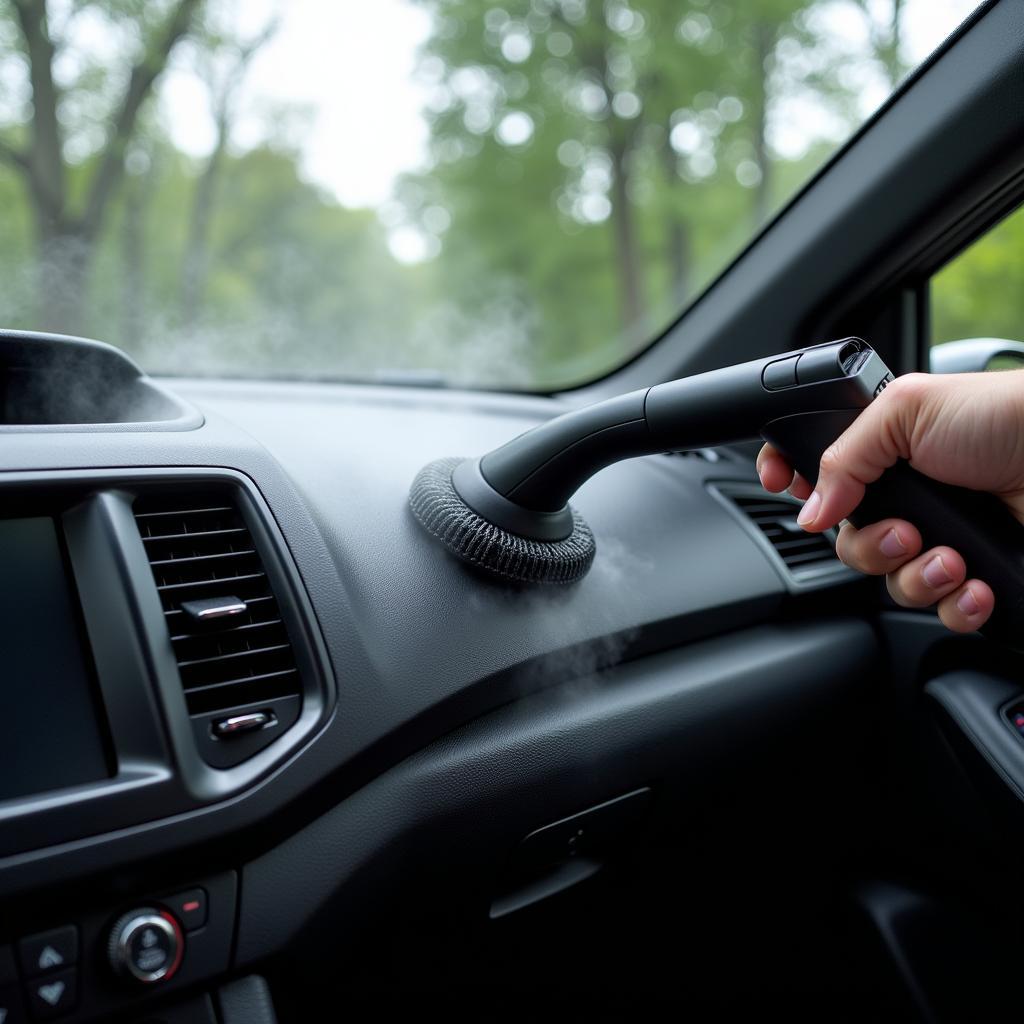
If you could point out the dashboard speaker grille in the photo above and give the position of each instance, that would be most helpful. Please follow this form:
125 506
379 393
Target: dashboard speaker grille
200 550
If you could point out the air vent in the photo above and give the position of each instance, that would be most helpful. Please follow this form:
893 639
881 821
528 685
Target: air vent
808 557
236 663
701 454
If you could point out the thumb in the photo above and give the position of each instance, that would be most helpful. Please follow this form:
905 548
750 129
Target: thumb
879 436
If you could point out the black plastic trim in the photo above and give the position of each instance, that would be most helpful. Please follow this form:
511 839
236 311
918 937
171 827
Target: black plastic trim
119 397
829 576
545 757
975 702
473 488
159 771
465 649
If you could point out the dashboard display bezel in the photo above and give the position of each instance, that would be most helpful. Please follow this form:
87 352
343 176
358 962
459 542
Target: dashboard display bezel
55 691
156 771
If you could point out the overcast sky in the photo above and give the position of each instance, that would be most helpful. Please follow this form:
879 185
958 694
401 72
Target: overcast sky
350 64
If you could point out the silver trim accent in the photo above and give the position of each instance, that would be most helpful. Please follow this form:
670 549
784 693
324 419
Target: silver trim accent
213 608
129 929
236 724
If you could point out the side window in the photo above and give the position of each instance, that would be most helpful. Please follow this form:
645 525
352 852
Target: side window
980 293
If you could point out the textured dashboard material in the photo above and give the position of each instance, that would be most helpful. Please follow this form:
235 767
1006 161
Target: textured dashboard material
463 803
664 550
418 643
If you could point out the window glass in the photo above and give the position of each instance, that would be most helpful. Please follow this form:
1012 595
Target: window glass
980 294
513 193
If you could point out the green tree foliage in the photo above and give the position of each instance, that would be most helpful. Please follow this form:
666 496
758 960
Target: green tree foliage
72 121
295 281
980 294
600 162
592 166
110 232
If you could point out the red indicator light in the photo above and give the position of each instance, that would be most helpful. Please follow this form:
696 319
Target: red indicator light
1019 720
187 908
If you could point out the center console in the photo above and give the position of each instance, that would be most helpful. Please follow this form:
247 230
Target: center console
159 656
101 963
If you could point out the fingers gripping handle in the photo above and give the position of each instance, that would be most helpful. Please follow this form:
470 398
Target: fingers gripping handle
977 525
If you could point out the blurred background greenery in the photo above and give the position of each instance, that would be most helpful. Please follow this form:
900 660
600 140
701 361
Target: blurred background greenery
586 168
980 293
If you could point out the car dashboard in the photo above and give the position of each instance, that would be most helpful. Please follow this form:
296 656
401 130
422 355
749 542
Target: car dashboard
291 709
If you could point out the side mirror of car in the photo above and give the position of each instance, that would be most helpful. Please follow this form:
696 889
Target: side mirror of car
975 354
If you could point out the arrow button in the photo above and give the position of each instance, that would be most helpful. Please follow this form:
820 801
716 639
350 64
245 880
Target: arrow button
52 992
50 958
53 995
48 951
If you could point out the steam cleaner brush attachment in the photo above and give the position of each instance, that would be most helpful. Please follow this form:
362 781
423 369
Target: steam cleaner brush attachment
443 513
508 512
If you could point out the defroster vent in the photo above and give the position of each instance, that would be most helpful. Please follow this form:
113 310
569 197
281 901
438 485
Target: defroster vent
237 666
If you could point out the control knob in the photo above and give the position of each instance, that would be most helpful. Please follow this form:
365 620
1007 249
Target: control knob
146 945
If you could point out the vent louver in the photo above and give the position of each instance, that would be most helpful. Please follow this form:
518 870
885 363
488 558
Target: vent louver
700 454
807 556
201 550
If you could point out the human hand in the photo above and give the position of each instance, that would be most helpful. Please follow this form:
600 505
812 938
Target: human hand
962 429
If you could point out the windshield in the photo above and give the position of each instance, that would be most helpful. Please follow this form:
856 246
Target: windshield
513 194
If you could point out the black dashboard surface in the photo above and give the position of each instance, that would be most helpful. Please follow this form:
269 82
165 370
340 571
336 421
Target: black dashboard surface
418 644
433 628
407 627
464 714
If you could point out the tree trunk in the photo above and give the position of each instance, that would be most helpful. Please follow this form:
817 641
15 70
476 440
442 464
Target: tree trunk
66 241
43 163
195 264
764 44
677 235
679 260
62 277
892 58
627 256
133 263
886 40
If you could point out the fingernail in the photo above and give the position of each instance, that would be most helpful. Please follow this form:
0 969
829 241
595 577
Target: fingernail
892 546
810 510
935 573
967 603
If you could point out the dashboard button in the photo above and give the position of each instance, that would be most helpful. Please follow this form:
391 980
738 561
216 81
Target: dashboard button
53 995
49 951
147 945
190 908
12 1009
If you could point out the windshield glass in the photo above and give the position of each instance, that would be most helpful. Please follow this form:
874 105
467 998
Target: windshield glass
516 194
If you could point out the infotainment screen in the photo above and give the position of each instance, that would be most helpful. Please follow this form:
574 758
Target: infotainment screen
50 732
